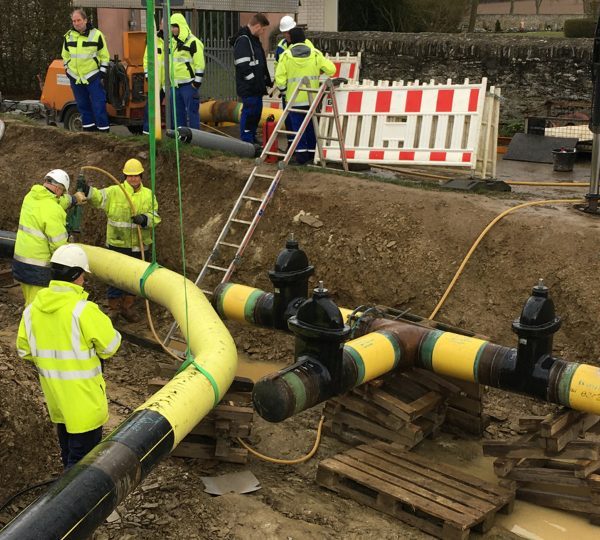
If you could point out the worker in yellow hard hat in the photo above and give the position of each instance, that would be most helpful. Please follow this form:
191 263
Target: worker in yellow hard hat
121 228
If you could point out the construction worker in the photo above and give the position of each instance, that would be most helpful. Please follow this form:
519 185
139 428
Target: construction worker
85 55
187 54
251 74
122 224
42 229
159 74
297 62
67 337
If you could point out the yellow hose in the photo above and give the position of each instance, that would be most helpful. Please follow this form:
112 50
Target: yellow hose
141 244
480 238
288 461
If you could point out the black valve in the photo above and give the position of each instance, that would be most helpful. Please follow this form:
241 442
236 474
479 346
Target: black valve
290 282
536 327
320 333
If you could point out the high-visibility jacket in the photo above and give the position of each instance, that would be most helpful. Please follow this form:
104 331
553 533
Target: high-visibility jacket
85 55
65 336
120 231
251 72
283 46
160 58
297 62
42 229
187 54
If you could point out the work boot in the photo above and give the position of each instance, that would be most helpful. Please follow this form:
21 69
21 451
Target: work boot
114 308
127 310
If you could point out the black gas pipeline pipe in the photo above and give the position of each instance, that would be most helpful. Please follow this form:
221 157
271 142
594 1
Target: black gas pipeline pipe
594 194
7 244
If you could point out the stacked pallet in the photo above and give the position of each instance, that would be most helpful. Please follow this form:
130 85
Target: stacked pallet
555 463
214 437
400 408
437 499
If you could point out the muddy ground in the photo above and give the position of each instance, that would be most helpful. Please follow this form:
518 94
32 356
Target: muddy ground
392 243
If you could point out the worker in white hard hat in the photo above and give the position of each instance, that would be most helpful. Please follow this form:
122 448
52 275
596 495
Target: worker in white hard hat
122 225
67 337
42 229
286 23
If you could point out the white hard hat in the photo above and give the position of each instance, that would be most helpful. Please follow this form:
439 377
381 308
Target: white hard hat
60 177
71 255
286 23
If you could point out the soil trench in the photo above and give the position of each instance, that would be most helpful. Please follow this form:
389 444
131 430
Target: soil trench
372 242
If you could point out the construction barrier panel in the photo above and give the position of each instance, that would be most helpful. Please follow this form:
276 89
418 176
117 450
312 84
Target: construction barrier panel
412 124
346 66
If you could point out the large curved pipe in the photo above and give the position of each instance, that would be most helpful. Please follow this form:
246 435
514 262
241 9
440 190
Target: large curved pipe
84 496
230 111
386 344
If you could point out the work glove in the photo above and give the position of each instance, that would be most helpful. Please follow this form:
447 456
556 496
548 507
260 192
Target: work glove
80 198
196 85
84 188
140 220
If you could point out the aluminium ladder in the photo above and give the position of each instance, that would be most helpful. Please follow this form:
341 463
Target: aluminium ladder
315 98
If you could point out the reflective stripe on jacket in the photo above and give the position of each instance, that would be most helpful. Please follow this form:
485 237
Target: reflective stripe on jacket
120 231
187 54
42 227
299 61
65 336
251 72
85 55
160 60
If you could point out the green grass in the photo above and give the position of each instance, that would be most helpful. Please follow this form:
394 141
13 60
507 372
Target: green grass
545 34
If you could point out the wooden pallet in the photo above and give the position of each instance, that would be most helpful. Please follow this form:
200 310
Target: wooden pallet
214 437
553 464
435 498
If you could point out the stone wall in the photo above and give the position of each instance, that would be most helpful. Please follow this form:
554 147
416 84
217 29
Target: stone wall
530 71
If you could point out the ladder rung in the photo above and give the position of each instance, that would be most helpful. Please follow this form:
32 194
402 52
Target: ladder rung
278 154
177 339
325 115
309 89
242 221
285 132
213 267
258 175
228 244
207 293
298 110
329 138
249 198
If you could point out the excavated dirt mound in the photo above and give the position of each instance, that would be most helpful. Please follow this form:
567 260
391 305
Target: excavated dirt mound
371 243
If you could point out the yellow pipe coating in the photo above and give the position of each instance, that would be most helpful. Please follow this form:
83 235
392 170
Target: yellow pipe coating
455 355
189 396
234 301
584 392
377 353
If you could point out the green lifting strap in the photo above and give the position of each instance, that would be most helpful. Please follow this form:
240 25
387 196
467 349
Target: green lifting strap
153 266
190 360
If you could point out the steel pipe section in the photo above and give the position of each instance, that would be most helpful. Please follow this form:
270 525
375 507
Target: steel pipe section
84 496
7 244
212 141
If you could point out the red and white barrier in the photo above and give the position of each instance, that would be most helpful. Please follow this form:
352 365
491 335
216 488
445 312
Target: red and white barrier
397 123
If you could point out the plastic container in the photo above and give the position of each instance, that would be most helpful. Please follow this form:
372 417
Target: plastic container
564 159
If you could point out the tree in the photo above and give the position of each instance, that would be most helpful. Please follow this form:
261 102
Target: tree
31 33
512 7
473 15
538 3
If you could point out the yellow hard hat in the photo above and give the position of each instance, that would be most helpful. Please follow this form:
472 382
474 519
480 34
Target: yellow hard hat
133 167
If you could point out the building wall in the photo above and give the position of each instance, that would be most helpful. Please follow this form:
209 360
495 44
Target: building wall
319 15
527 7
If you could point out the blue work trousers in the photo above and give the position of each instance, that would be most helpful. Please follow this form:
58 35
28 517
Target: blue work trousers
305 151
91 102
187 99
146 127
251 113
73 446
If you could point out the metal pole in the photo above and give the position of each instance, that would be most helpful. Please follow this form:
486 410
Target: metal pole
594 194
167 45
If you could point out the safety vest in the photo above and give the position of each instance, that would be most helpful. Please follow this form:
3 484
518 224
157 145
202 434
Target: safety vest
297 62
120 231
187 54
85 55
65 336
160 59
283 46
42 227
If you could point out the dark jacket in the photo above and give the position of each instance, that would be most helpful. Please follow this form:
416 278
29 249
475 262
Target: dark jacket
251 72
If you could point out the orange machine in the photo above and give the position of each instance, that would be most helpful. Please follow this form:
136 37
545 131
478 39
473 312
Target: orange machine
125 89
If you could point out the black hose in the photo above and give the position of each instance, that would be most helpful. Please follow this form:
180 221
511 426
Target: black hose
117 88
25 490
